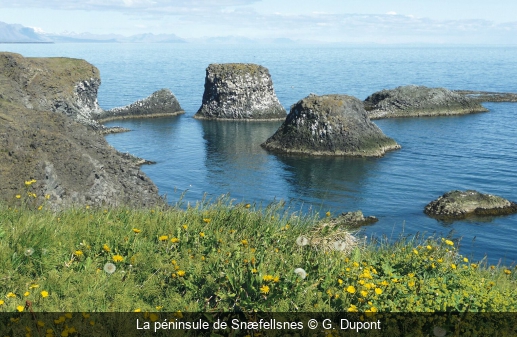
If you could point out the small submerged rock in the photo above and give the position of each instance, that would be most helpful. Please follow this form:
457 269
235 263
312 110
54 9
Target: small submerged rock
239 91
415 101
460 204
331 125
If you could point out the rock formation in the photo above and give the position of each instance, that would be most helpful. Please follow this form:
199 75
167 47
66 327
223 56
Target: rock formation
460 204
488 96
55 84
335 125
160 103
70 162
415 101
239 91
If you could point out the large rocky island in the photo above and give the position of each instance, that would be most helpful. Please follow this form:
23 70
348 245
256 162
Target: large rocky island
41 100
239 91
335 125
461 204
416 101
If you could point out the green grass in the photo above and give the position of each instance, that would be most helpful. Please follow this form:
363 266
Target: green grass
228 257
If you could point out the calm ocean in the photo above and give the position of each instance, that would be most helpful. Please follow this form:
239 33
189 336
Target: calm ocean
438 154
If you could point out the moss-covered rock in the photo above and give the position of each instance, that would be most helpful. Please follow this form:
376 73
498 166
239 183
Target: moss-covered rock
335 125
241 91
415 101
460 204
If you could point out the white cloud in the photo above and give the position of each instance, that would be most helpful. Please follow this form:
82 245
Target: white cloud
391 13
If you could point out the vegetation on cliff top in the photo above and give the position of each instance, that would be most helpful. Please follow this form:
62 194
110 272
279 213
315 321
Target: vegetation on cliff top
229 257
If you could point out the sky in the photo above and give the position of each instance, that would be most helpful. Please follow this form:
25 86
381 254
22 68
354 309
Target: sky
353 21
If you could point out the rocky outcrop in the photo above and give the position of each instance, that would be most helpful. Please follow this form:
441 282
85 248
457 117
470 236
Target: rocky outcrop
488 96
72 164
335 125
239 91
353 220
161 103
460 204
57 84
416 101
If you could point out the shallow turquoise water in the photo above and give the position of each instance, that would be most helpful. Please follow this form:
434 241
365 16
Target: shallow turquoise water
438 154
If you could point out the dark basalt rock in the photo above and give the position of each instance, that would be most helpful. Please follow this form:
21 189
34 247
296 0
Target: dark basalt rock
335 125
354 219
415 101
239 91
159 104
461 204
71 162
488 96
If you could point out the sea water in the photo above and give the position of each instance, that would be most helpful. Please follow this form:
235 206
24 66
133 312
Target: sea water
197 159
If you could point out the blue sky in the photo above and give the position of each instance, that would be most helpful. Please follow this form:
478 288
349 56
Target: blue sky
354 21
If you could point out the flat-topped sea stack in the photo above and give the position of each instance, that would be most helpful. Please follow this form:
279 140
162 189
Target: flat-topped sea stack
159 104
330 125
239 91
461 204
417 101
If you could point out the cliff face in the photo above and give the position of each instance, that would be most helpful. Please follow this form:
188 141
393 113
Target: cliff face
335 125
56 84
414 101
239 91
70 162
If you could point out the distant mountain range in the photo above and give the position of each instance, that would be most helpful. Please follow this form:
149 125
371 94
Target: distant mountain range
14 33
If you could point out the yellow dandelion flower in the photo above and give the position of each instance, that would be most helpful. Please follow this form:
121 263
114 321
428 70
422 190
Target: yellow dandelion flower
68 315
449 243
355 264
340 281
41 324
136 230
18 196
247 205
20 308
2 302
264 289
350 289
106 248
363 293
207 220
411 283
163 238
181 273
439 260
507 272
174 262
244 242
153 317
11 295
202 234
268 278
44 293
465 259
352 308
47 196
254 271
276 279
453 266
327 214
159 307
78 252
118 258
429 247
26 294
378 291
175 240
185 226
415 251
474 265
40 207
